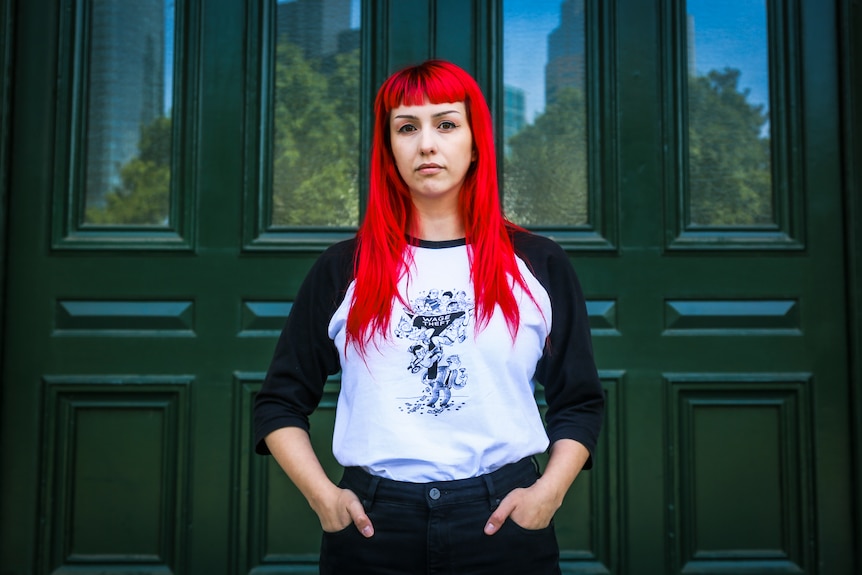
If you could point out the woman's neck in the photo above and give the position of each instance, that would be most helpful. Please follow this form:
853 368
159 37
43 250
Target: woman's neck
439 227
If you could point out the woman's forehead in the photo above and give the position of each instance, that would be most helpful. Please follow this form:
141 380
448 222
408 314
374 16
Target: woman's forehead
428 109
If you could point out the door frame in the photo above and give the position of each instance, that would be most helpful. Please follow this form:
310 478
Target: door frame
851 143
6 50
851 116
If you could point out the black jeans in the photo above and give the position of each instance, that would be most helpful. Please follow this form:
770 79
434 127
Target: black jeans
437 528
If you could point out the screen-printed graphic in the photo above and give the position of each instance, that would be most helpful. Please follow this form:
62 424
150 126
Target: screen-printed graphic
434 326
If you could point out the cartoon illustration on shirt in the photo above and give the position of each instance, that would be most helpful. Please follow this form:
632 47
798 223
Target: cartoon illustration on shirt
449 376
423 358
436 321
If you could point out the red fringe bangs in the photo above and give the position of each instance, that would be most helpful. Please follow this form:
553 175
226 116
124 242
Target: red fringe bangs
436 84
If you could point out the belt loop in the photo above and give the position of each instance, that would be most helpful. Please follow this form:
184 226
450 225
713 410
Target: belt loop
536 465
493 500
372 490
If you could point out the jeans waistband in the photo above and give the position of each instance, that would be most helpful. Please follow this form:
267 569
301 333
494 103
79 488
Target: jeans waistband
492 486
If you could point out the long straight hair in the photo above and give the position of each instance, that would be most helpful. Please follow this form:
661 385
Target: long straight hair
382 256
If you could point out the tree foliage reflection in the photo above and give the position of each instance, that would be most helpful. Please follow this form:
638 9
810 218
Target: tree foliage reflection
545 173
730 178
315 155
142 197
315 151
546 170
315 161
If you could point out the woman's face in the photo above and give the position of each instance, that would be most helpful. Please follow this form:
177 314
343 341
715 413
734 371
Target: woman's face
433 149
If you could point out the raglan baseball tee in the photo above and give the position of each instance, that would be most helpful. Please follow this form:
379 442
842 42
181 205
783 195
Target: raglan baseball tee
438 399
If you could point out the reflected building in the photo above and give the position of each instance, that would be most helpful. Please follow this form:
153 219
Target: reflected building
514 113
566 66
690 53
126 87
321 28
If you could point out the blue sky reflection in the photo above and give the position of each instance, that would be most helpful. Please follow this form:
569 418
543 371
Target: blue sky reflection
727 34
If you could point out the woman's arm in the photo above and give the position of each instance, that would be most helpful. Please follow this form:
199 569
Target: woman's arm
304 354
335 507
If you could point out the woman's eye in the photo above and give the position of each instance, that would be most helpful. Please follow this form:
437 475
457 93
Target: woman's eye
448 125
407 128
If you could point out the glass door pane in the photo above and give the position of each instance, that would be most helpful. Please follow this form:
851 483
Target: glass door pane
729 162
545 127
129 125
315 154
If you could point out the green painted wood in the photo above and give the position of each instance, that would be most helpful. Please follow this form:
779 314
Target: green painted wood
737 439
823 171
409 33
454 27
6 49
650 273
728 442
645 530
850 17
20 466
93 487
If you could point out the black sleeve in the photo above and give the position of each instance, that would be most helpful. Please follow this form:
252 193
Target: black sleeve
304 355
567 369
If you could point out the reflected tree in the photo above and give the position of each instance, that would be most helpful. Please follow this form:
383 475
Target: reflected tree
315 158
545 173
142 198
728 159
316 140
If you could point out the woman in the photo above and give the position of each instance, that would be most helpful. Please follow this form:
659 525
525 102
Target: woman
439 315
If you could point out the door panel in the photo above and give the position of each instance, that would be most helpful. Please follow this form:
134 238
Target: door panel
132 353
93 486
727 325
740 470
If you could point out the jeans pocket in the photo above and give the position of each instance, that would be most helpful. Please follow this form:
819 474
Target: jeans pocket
341 531
514 525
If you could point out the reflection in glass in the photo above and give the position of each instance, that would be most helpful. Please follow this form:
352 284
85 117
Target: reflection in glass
729 160
129 127
315 153
545 130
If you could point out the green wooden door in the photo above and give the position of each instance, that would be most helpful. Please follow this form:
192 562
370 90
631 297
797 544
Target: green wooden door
133 348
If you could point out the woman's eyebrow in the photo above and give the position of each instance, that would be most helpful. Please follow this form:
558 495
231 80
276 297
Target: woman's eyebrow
437 115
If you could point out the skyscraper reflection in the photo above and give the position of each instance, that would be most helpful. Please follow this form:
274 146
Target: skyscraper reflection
126 86
566 51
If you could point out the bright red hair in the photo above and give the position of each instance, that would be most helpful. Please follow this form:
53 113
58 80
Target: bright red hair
381 254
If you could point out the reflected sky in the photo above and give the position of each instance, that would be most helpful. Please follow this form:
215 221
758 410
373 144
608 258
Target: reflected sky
727 34
170 10
169 55
733 34
526 25
355 14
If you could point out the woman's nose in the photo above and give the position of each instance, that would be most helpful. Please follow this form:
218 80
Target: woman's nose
427 142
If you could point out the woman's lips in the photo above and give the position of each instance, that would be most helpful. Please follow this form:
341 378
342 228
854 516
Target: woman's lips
429 169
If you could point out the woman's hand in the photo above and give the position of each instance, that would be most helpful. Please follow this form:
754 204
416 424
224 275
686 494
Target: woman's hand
530 507
533 507
335 507
339 508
